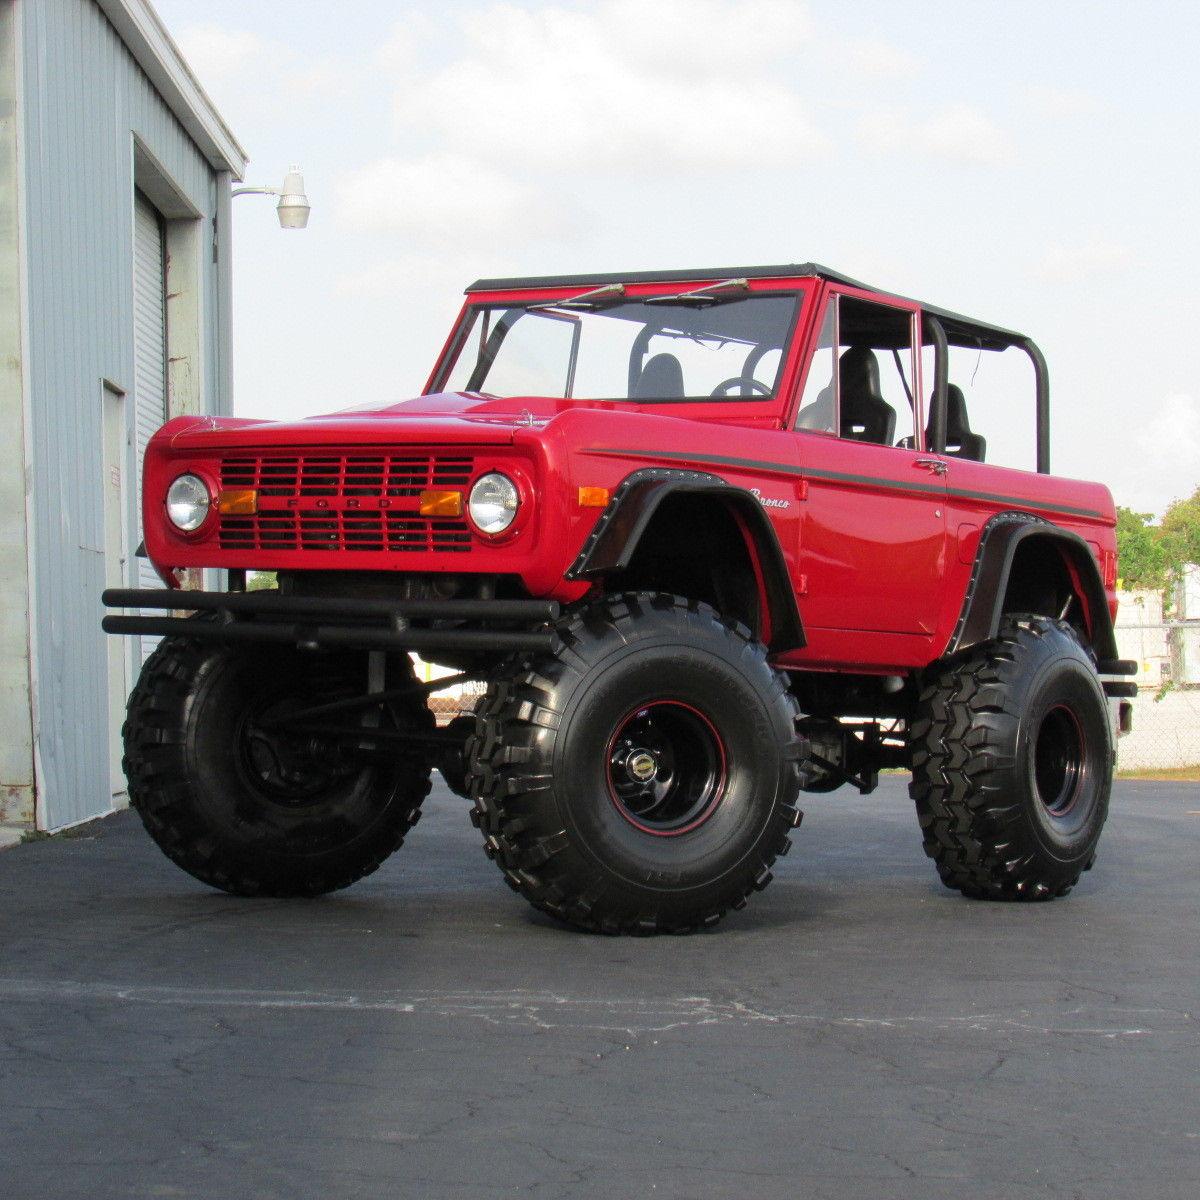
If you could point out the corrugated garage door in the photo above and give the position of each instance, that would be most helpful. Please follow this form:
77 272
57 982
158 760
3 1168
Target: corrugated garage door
150 357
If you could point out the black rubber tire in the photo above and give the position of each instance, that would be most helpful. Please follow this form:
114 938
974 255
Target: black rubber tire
987 746
190 783
542 785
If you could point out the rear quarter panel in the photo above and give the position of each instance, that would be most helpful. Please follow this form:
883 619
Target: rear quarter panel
976 492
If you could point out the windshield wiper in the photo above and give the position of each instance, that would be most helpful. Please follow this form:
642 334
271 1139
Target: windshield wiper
614 293
715 293
611 293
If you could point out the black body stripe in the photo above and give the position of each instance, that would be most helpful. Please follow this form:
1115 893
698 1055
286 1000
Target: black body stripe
895 485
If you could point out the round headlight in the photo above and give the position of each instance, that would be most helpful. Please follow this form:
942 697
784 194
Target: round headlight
187 502
493 502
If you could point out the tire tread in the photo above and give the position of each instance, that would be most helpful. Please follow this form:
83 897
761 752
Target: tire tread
970 824
160 790
513 803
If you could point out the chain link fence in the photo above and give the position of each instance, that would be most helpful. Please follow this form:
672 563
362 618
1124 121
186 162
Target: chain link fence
456 700
1166 713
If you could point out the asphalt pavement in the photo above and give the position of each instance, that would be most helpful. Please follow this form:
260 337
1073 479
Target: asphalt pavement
858 1031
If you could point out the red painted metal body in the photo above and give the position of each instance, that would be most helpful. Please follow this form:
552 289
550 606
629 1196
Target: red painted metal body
879 545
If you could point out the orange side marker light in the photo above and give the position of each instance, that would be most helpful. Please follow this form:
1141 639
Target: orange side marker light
237 502
441 504
593 497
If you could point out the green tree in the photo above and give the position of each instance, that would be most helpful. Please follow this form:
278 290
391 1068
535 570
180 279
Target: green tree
1180 532
1141 555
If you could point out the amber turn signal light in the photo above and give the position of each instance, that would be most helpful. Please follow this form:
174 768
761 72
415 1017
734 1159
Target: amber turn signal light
593 497
441 504
237 502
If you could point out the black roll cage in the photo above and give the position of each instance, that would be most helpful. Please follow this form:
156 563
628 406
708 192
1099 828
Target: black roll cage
933 329
939 326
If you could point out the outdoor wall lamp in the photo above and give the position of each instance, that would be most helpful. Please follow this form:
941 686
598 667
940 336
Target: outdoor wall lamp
293 207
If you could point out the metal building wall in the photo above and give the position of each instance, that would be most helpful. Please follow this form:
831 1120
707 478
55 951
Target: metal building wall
84 99
16 741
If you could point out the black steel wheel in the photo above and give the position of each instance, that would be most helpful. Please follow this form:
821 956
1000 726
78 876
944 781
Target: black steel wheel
644 777
667 767
248 799
1012 760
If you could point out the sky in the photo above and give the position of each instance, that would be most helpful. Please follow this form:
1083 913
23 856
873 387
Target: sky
1036 165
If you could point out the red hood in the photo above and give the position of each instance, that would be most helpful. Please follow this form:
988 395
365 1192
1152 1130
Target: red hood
452 417
474 406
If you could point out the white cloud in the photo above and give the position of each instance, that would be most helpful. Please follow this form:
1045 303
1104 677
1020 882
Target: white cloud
878 59
1165 460
443 195
1058 103
519 122
965 134
249 75
217 53
960 134
687 37
680 85
443 275
384 279
442 272
1076 262
400 51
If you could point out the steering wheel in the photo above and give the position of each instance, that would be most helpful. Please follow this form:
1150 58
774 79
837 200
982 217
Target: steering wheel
726 386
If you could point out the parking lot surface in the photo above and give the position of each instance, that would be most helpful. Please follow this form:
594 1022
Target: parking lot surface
858 1031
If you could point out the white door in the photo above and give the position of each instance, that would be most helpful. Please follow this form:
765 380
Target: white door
150 358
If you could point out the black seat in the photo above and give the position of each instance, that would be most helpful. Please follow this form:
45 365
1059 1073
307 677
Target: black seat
661 379
866 415
960 441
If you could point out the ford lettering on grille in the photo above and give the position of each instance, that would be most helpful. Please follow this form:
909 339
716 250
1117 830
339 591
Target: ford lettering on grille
333 501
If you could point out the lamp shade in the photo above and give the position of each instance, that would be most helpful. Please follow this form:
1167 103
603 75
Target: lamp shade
293 207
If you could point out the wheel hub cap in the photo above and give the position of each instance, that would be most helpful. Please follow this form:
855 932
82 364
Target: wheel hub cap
642 766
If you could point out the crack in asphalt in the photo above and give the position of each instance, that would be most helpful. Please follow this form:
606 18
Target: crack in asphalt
628 1015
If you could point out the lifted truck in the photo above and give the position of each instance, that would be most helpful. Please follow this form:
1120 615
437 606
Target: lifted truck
704 560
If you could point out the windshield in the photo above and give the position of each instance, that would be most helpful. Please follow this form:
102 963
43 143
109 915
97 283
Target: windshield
653 350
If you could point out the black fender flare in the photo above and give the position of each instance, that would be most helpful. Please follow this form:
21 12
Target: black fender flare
1002 536
612 543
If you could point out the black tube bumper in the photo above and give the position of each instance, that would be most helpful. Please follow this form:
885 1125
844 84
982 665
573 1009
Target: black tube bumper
318 623
1117 689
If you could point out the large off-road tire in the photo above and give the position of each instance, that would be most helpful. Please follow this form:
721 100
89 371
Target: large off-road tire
251 810
1012 762
643 778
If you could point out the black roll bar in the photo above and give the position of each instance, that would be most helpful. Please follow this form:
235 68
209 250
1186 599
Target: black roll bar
933 326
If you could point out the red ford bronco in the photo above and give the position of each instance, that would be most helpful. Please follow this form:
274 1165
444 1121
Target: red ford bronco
712 539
